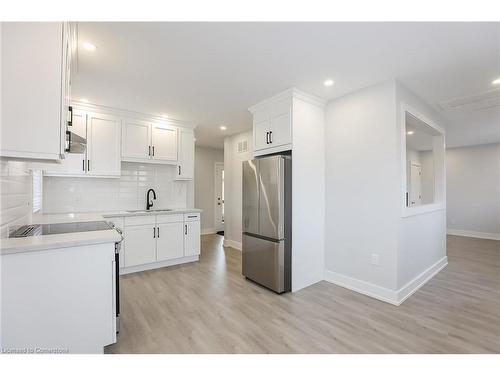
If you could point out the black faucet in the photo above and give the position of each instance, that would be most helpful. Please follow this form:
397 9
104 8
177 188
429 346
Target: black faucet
149 203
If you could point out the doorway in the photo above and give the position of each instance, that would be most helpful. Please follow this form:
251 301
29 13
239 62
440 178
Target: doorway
219 198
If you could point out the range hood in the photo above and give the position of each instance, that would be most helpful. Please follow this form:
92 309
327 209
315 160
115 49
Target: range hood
75 144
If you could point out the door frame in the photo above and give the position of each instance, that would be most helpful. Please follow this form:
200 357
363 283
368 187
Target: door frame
217 227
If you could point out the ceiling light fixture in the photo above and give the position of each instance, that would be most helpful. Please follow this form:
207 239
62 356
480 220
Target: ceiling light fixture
89 46
410 132
222 127
496 81
328 82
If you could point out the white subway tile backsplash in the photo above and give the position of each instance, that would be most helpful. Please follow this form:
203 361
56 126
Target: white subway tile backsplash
15 195
86 194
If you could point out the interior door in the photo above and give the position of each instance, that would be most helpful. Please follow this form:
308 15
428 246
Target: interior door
164 142
415 184
136 140
250 197
170 241
104 145
219 196
191 238
271 196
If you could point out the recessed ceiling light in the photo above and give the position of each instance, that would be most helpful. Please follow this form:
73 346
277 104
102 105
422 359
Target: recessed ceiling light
328 82
496 82
89 46
410 132
222 127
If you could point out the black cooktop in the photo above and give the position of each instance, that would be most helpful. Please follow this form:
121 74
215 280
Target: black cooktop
59 228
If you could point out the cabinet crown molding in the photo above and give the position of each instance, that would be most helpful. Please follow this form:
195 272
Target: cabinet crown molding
289 93
124 113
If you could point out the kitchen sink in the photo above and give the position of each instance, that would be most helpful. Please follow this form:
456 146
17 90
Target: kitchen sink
152 210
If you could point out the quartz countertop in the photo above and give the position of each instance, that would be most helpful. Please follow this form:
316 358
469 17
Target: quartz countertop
54 241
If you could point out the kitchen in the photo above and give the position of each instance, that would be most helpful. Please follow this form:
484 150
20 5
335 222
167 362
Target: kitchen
170 194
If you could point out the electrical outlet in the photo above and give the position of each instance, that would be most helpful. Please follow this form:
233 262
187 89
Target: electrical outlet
375 259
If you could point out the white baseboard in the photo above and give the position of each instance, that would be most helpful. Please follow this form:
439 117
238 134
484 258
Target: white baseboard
363 287
394 297
234 244
470 233
208 231
415 284
164 263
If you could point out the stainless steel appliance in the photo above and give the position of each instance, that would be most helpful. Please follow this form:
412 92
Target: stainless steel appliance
75 144
267 222
85 226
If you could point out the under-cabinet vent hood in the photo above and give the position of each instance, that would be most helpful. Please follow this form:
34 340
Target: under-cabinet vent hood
75 144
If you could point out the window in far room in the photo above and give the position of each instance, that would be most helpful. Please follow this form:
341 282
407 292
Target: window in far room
422 155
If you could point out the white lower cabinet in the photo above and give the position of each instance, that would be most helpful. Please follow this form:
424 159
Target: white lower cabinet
170 241
140 245
191 238
154 241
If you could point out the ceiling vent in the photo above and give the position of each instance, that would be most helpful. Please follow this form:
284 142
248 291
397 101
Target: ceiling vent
242 146
483 101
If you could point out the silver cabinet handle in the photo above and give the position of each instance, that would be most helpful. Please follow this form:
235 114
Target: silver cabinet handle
185 229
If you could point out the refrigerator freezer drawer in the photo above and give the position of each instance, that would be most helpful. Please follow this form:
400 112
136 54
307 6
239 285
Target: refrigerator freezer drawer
264 262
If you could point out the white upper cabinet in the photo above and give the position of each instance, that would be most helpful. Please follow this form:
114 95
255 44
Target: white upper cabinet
185 168
103 154
143 141
33 90
136 140
103 145
73 164
272 126
164 142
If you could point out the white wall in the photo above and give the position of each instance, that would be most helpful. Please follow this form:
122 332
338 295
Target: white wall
422 238
233 186
15 194
86 194
308 194
204 184
362 187
473 190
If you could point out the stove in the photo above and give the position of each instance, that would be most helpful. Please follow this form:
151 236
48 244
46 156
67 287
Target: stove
60 228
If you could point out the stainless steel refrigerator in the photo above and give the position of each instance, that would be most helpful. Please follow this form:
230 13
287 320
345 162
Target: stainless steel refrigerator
267 222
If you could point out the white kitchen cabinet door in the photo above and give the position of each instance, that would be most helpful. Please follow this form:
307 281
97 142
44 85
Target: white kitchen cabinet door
280 124
261 134
136 140
72 164
103 145
185 168
191 238
140 245
164 142
170 241
31 90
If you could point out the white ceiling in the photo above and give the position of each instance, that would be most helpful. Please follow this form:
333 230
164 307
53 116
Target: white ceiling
210 73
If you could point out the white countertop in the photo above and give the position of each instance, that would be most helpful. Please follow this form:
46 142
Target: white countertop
54 241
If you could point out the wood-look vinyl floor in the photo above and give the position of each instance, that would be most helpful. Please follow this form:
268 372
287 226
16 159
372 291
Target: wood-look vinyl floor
209 307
